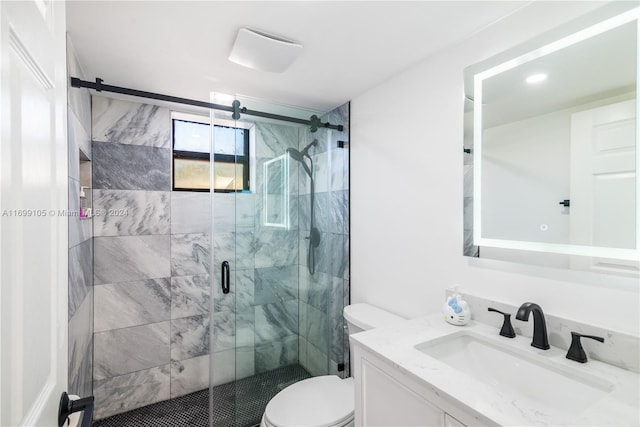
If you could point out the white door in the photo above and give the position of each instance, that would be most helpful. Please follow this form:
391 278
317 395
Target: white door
603 184
33 191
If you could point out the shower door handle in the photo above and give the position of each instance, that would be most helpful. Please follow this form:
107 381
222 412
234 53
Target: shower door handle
225 279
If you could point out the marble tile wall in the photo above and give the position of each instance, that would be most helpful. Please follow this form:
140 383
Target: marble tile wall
323 343
190 291
131 391
80 239
151 263
128 258
134 331
116 121
131 167
131 213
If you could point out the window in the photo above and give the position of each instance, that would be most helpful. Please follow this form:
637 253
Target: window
191 142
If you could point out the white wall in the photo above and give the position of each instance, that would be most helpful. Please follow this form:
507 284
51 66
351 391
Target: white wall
406 199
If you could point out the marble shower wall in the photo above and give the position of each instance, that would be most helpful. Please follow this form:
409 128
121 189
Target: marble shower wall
256 324
80 239
151 264
190 291
275 308
323 343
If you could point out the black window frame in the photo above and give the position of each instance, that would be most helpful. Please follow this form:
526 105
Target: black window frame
219 158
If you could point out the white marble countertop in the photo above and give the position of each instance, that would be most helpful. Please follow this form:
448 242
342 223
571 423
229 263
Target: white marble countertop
396 344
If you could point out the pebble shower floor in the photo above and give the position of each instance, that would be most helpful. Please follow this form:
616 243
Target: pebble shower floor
236 404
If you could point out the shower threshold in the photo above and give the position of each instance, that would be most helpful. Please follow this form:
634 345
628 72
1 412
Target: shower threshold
236 404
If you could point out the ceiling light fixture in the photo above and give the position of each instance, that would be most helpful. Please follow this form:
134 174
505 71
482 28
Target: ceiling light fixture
263 52
536 78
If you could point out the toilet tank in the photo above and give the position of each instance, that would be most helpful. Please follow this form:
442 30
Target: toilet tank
362 317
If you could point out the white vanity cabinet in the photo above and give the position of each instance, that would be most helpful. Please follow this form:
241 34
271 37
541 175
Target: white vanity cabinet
385 396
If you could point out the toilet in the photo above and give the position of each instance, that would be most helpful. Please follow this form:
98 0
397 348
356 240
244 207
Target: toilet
328 400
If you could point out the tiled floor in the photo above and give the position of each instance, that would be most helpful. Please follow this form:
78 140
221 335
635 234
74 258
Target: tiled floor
237 404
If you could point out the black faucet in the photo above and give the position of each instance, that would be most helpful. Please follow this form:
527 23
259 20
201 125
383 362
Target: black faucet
539 326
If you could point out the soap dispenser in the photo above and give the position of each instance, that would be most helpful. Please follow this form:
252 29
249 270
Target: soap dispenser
456 310
83 202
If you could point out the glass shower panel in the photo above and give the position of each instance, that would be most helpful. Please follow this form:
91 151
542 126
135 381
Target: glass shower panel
225 181
276 325
338 160
268 311
324 248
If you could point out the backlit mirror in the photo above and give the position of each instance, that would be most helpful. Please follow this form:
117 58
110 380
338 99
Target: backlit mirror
552 136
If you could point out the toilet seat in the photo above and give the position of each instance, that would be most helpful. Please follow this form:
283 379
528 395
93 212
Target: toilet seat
325 401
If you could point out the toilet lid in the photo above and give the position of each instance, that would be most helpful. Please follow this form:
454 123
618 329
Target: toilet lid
315 402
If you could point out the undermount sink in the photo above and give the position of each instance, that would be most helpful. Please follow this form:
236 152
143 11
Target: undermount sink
558 392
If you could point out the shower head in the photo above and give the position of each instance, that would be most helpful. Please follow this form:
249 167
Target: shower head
295 154
299 156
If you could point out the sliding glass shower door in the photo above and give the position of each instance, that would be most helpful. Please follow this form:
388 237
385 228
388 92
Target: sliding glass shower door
278 262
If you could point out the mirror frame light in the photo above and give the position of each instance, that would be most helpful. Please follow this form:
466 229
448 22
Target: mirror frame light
568 249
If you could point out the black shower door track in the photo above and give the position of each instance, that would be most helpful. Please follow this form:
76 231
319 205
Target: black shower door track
98 86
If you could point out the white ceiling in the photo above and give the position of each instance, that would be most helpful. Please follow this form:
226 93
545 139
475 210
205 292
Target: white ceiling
180 48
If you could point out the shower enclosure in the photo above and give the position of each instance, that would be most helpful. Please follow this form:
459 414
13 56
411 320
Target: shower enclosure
207 303
279 260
